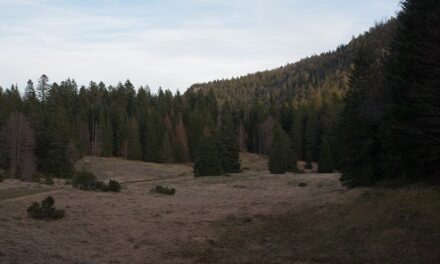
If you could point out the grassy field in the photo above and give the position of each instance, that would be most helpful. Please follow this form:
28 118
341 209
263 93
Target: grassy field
251 217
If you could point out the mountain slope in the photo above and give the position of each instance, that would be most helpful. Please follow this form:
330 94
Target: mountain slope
319 75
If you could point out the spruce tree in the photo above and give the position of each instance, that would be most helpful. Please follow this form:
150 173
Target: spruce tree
279 152
133 141
207 162
413 74
292 159
228 142
325 161
361 118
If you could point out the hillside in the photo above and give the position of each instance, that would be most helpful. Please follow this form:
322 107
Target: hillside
322 75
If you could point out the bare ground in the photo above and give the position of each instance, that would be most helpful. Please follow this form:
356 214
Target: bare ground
209 220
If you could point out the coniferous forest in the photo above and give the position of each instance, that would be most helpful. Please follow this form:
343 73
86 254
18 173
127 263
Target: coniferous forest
369 109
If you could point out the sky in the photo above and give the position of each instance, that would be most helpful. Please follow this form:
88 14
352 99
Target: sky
171 44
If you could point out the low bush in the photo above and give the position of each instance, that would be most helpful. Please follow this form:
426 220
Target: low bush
45 211
114 186
85 180
42 178
164 190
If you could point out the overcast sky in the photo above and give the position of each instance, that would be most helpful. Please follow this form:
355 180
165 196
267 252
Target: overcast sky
172 44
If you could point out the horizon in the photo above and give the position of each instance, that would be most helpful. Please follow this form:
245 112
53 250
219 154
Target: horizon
151 43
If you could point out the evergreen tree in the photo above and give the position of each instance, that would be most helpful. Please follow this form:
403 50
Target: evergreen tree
279 152
207 161
413 74
292 159
325 162
133 141
361 118
228 142
43 87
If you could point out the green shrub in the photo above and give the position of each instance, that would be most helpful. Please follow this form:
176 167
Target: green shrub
164 190
49 181
113 186
45 211
85 180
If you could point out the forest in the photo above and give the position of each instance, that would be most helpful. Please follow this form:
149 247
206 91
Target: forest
369 109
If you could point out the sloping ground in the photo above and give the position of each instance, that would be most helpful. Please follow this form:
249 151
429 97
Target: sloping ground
377 226
127 170
251 217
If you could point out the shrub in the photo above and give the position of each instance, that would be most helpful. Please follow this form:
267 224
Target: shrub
84 180
113 186
45 211
164 190
87 181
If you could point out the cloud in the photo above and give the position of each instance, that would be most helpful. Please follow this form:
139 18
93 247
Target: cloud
172 44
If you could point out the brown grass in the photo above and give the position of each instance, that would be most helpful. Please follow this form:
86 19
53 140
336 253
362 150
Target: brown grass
251 217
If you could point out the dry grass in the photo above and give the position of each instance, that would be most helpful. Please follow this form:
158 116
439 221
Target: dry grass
250 217
378 226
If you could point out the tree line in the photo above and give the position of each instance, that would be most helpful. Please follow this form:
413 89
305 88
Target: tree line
50 126
369 109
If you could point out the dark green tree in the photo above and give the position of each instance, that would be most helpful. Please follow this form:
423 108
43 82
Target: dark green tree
325 161
207 161
279 152
228 142
414 78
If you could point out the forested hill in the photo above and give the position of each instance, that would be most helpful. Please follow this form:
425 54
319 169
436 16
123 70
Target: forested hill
319 75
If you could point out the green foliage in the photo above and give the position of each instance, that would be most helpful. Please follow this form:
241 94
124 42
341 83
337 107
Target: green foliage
228 142
309 164
208 162
87 181
84 180
390 128
325 162
361 122
164 190
412 131
113 186
45 211
292 159
279 154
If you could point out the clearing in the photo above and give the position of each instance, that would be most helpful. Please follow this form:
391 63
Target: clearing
251 217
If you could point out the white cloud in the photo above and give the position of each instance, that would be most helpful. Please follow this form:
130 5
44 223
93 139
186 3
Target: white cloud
136 42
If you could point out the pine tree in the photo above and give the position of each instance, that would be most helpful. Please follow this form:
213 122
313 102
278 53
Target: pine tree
133 141
292 159
361 118
279 152
414 79
325 161
207 161
228 142
166 154
151 144
43 87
